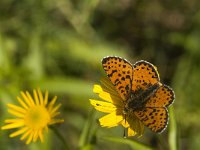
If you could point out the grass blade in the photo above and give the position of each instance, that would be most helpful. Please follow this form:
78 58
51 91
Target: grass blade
85 135
172 130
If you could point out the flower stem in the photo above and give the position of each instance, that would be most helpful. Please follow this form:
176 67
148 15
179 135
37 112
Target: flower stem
60 136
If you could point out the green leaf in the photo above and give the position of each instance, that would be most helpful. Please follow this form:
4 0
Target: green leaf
133 144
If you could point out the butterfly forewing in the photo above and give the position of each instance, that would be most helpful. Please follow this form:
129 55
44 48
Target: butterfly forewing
154 118
120 73
144 75
163 97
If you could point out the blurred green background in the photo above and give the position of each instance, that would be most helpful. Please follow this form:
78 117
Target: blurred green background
58 45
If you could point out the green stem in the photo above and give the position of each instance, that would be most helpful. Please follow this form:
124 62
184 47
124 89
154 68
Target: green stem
172 130
85 135
60 136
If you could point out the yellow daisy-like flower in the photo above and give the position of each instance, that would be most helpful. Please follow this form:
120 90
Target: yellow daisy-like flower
114 105
33 116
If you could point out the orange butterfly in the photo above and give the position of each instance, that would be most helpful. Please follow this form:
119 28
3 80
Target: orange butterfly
141 90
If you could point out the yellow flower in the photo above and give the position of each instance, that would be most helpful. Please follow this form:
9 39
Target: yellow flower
114 105
33 116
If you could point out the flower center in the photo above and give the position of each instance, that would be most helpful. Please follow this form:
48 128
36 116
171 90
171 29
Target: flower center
37 117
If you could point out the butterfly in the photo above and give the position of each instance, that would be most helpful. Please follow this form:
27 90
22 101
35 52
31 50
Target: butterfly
141 91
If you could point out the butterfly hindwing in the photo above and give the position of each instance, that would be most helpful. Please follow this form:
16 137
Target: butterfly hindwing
155 119
120 73
163 97
145 75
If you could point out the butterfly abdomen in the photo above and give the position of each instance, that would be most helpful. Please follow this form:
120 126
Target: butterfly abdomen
139 97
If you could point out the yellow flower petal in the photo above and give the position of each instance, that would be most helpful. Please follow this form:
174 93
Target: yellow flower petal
55 114
22 102
115 105
21 131
35 136
13 120
40 97
103 106
30 138
46 98
107 96
36 97
97 89
15 113
56 121
111 98
30 98
26 99
55 109
111 120
13 125
17 108
125 123
25 134
131 132
50 106
41 136
33 116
